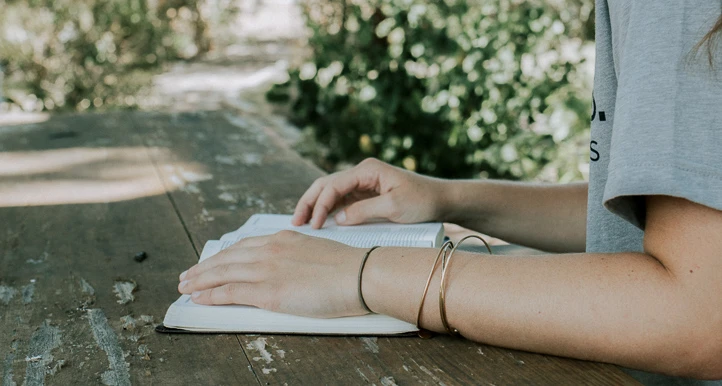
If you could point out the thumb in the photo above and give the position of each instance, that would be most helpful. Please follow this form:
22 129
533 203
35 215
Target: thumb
359 212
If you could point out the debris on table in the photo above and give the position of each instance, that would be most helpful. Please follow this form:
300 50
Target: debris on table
58 365
140 256
144 351
86 287
127 322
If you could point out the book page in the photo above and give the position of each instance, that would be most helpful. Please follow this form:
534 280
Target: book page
194 317
212 247
361 236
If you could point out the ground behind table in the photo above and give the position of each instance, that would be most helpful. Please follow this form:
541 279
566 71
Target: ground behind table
81 194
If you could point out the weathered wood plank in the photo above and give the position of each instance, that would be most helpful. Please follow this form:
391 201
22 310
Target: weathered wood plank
247 172
442 360
79 197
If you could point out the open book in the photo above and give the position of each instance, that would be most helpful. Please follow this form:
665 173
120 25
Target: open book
188 316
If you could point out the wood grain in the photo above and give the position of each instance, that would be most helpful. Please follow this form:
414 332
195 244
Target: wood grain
76 253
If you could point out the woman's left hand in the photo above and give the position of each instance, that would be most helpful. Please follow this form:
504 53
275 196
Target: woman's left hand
286 272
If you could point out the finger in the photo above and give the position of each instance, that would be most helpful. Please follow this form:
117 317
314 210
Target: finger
342 203
234 293
249 242
240 252
302 213
353 198
346 182
379 207
218 276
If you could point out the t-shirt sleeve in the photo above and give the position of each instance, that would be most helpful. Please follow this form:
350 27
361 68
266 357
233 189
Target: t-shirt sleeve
667 129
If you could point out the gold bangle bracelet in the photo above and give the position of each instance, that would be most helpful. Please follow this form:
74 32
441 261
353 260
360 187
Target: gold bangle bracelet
442 294
424 333
360 276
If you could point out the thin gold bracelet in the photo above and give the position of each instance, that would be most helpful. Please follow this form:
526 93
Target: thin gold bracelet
442 295
360 276
424 333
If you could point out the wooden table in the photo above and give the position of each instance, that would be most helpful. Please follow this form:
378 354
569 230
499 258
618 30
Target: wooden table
80 195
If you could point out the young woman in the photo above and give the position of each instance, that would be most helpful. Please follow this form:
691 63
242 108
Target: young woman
637 278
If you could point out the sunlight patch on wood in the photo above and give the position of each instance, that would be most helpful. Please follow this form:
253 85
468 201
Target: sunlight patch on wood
20 118
81 175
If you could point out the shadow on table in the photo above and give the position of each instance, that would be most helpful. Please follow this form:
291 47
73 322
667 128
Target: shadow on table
76 159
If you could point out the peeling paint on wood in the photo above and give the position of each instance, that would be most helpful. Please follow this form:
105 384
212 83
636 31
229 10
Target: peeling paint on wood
191 176
177 181
7 294
191 188
124 291
39 260
106 339
42 342
7 379
225 160
252 159
205 216
260 346
371 344
429 373
388 381
144 352
28 292
127 322
56 367
86 287
260 204
363 376
227 197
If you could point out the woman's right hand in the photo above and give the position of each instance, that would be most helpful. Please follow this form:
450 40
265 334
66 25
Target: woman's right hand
372 190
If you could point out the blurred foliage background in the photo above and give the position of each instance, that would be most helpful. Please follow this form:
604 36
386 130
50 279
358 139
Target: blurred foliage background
83 54
453 88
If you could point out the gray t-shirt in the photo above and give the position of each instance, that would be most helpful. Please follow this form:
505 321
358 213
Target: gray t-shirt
657 119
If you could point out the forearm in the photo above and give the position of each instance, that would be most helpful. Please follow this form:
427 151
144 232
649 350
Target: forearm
619 308
546 217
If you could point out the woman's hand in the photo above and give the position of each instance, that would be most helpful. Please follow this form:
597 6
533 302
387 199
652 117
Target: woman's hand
369 191
286 272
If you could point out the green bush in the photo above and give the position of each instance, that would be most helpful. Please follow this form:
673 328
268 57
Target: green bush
69 54
454 88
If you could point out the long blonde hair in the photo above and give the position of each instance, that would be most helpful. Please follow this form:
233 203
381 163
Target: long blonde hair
711 40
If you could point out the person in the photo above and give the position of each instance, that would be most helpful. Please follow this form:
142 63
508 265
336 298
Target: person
635 277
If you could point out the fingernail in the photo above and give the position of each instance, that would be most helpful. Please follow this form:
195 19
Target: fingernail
195 294
183 284
341 217
183 275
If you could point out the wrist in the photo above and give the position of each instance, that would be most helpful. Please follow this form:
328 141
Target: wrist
360 280
465 201
394 279
445 200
